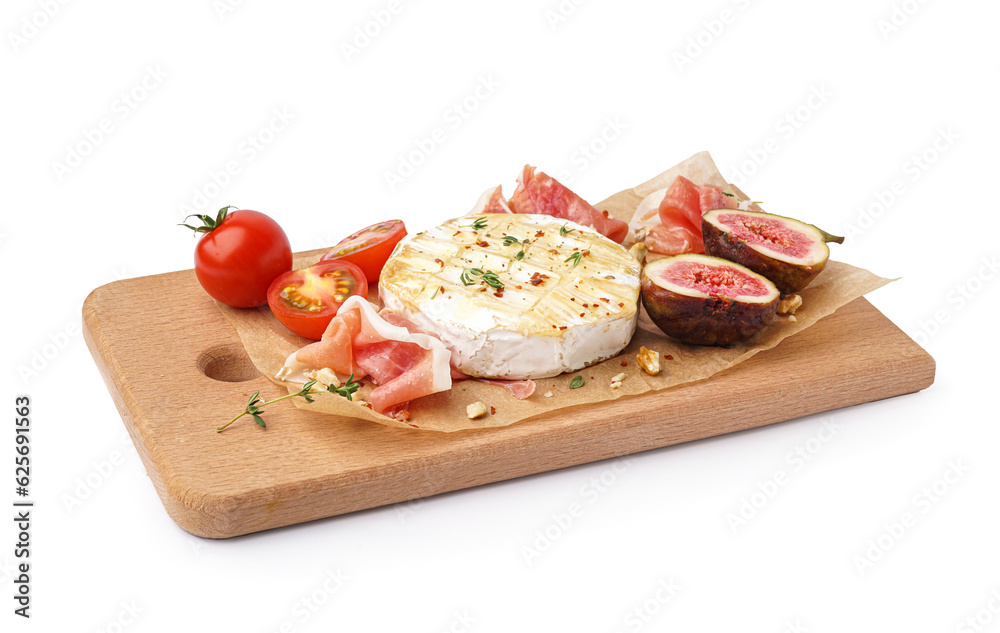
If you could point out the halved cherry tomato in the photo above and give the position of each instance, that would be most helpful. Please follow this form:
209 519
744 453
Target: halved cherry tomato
369 247
305 301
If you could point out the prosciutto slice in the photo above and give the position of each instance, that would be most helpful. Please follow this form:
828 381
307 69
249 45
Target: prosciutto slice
404 365
491 201
538 192
674 223
520 389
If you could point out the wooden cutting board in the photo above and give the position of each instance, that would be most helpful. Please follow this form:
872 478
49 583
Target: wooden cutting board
180 370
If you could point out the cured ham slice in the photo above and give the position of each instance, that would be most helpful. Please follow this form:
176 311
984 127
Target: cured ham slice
538 192
672 217
520 389
674 240
491 201
403 364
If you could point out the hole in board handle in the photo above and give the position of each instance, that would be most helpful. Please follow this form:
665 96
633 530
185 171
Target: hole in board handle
227 363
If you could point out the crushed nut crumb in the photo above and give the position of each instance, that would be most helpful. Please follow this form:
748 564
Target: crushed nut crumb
788 305
475 410
639 250
649 360
324 377
548 394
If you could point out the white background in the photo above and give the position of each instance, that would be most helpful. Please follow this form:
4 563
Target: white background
883 95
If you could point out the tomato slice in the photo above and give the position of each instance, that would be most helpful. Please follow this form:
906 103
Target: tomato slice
305 301
369 247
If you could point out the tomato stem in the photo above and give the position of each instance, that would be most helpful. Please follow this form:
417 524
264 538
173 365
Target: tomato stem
209 223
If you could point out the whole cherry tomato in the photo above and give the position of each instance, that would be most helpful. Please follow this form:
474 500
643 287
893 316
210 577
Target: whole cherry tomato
239 255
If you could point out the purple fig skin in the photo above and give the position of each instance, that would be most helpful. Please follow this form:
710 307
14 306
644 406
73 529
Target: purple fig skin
717 321
789 278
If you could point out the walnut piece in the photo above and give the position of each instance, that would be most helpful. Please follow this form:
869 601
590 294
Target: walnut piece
649 360
475 410
639 250
788 305
324 377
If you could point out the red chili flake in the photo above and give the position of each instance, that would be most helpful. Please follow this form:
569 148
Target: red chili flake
669 357
586 305
538 279
438 261
493 410
442 289
581 314
483 289
555 327
540 234
482 243
576 248
624 363
467 246
621 305
563 327
456 233
605 300
554 251
498 293
605 213
518 286
572 298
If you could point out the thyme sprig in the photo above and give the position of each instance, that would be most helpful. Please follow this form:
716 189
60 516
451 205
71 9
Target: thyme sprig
347 389
478 225
576 257
738 199
564 230
510 240
256 403
470 275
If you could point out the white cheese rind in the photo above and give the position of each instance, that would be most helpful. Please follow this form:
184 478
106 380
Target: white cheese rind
534 331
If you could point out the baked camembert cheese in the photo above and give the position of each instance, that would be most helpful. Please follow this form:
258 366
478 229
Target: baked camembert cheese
516 296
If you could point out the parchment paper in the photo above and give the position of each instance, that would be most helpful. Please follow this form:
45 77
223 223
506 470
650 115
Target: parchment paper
268 343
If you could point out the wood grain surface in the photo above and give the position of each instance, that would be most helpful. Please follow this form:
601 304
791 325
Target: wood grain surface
179 371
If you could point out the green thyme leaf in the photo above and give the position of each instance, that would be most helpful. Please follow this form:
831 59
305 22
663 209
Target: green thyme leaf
576 257
576 383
